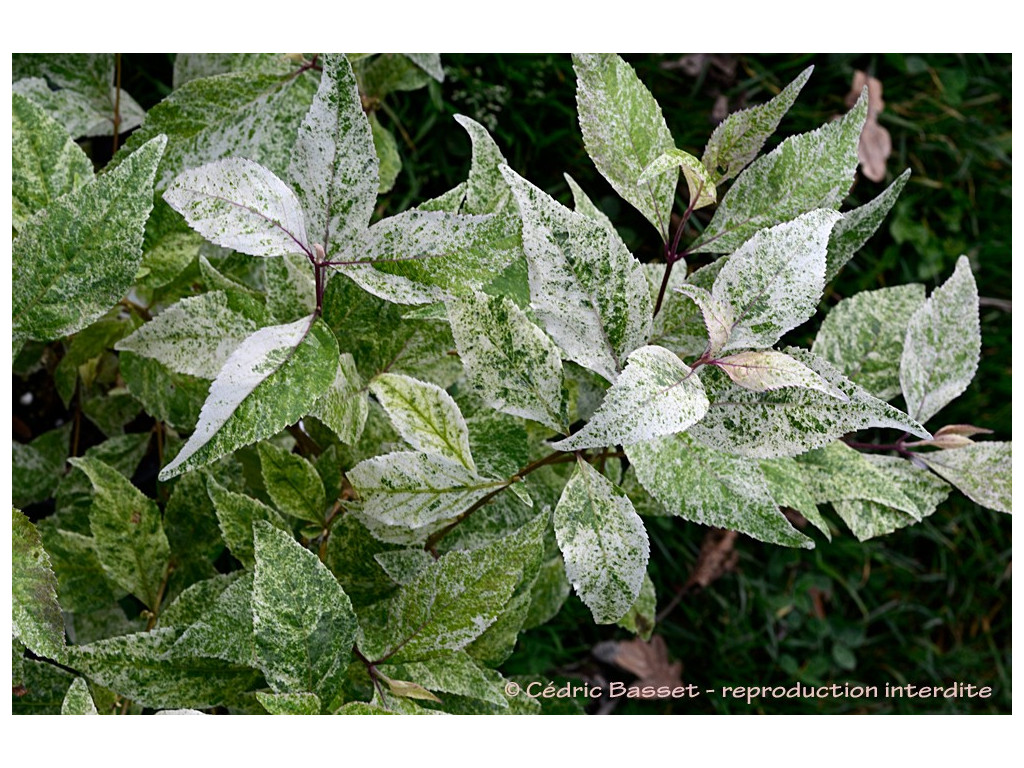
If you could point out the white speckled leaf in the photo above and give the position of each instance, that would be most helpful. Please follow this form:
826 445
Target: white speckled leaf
840 473
868 519
272 380
334 162
45 162
765 370
857 226
657 394
388 157
454 672
679 324
429 63
719 316
78 700
640 618
413 489
624 132
403 565
510 362
303 621
737 139
774 281
426 417
196 336
37 619
942 346
709 487
863 336
127 530
292 483
983 471
789 421
290 703
603 542
77 258
225 630
241 205
486 190
589 291
236 513
345 406
787 487
424 256
585 206
698 180
812 170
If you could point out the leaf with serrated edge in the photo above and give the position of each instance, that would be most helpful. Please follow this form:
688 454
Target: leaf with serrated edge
840 473
789 421
128 531
812 170
241 205
656 394
786 485
429 63
774 281
414 489
225 630
486 190
603 542
942 345
765 369
334 163
345 405
710 487
584 205
426 416
511 363
236 513
857 226
737 139
863 336
77 258
272 380
37 619
45 162
983 471
195 336
719 317
292 483
698 180
586 287
303 621
78 700
624 131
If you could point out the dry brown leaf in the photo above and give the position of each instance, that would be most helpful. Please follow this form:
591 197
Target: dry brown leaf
716 557
875 141
648 661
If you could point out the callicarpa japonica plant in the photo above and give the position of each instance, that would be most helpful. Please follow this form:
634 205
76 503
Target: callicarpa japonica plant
390 445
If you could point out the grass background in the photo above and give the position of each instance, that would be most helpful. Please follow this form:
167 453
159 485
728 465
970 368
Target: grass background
928 605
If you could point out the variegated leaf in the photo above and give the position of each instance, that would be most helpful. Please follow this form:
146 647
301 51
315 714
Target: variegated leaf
78 700
486 190
983 471
37 619
787 487
454 673
719 316
345 405
292 483
840 473
698 180
603 542
656 394
584 205
765 370
942 346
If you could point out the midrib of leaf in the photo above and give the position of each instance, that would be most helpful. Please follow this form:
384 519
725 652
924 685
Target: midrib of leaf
444 437
294 487
593 516
273 222
931 391
746 309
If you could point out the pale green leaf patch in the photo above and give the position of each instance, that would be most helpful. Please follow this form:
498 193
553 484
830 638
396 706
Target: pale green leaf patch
486 190
603 542
719 316
942 345
454 673
765 370
289 703
640 618
345 405
786 485
983 471
292 483
225 629
584 205
37 619
657 394
78 700
698 180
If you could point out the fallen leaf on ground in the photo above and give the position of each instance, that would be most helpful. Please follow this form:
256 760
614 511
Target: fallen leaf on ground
875 141
648 661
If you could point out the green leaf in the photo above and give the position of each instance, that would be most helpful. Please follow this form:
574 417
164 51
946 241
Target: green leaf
486 189
128 531
699 182
37 466
82 583
766 370
656 394
78 700
624 132
293 483
385 145
334 164
174 398
640 618
942 346
414 489
792 420
272 380
585 206
719 317
862 336
812 170
710 487
351 551
46 163
857 226
241 205
774 281
786 485
189 607
603 542
236 514
45 687
737 139
426 417
983 471
302 619
453 672
586 287
193 66
195 336
289 703
77 258
548 593
139 667
37 619
345 405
